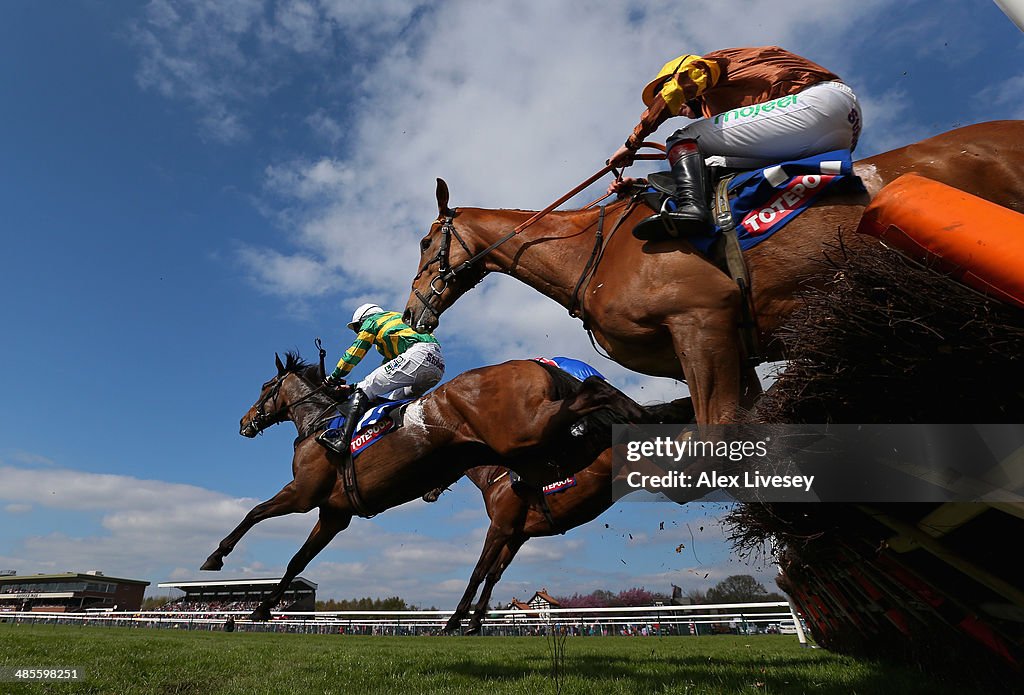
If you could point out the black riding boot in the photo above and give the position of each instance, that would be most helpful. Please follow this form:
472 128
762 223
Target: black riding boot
339 439
691 215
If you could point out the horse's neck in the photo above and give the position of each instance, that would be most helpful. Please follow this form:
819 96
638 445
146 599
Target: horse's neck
305 414
549 255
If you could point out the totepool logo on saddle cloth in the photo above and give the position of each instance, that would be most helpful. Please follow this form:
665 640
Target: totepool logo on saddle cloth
767 199
799 191
371 434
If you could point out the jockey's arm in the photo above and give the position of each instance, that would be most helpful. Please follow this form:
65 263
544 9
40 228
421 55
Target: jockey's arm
354 354
693 77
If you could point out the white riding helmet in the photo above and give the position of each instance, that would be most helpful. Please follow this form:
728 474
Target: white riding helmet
361 313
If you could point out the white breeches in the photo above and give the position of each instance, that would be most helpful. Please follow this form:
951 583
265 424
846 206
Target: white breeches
409 375
821 118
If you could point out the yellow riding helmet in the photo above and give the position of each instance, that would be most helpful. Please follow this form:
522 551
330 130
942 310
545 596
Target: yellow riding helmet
670 68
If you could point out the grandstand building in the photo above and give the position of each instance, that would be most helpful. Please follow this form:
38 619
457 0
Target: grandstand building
63 593
239 594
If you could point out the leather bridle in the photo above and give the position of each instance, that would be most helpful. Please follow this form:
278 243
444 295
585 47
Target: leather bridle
445 273
264 420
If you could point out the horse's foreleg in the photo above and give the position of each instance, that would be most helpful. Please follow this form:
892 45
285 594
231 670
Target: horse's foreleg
330 524
508 553
287 501
493 545
707 345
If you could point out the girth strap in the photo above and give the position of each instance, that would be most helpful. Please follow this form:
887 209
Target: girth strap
736 265
348 481
546 510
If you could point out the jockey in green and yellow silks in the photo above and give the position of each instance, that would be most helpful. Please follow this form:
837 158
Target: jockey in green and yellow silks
384 330
412 365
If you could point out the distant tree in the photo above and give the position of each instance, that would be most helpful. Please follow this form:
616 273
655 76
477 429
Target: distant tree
592 600
394 603
739 588
637 596
696 596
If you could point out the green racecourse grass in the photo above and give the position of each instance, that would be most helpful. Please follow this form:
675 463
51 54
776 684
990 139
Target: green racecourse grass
169 662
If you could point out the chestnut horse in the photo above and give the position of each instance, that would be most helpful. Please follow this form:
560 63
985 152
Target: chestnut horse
661 308
519 412
516 519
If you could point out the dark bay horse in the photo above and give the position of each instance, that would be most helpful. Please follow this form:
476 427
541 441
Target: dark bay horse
660 308
517 412
515 518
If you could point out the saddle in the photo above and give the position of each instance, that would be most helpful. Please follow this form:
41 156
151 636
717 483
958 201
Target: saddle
758 202
373 425
750 205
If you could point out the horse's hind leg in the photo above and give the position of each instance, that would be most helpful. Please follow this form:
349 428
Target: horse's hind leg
288 501
508 553
596 393
553 417
331 523
493 544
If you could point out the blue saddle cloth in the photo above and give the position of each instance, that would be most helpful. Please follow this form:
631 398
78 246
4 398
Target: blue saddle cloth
763 201
577 368
373 425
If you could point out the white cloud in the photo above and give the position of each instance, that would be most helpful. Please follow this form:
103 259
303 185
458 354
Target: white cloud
1008 94
429 90
29 459
288 276
134 526
887 125
160 531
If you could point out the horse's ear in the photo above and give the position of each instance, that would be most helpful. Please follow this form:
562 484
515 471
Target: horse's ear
277 361
442 199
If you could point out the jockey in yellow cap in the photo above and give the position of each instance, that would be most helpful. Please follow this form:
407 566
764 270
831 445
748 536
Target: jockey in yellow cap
757 106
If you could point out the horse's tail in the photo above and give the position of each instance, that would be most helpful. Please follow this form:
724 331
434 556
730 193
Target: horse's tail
565 384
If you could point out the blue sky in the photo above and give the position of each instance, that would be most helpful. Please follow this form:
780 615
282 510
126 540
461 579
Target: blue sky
188 186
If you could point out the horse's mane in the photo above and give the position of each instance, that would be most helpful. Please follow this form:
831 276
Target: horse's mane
293 363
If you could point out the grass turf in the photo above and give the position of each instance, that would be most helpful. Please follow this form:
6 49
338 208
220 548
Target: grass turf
166 662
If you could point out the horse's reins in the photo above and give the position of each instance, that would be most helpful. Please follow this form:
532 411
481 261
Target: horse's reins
262 420
447 273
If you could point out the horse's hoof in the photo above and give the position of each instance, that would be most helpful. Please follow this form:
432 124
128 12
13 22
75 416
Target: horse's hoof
213 564
473 630
260 615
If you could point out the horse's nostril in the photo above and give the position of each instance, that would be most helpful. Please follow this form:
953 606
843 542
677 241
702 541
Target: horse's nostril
407 316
